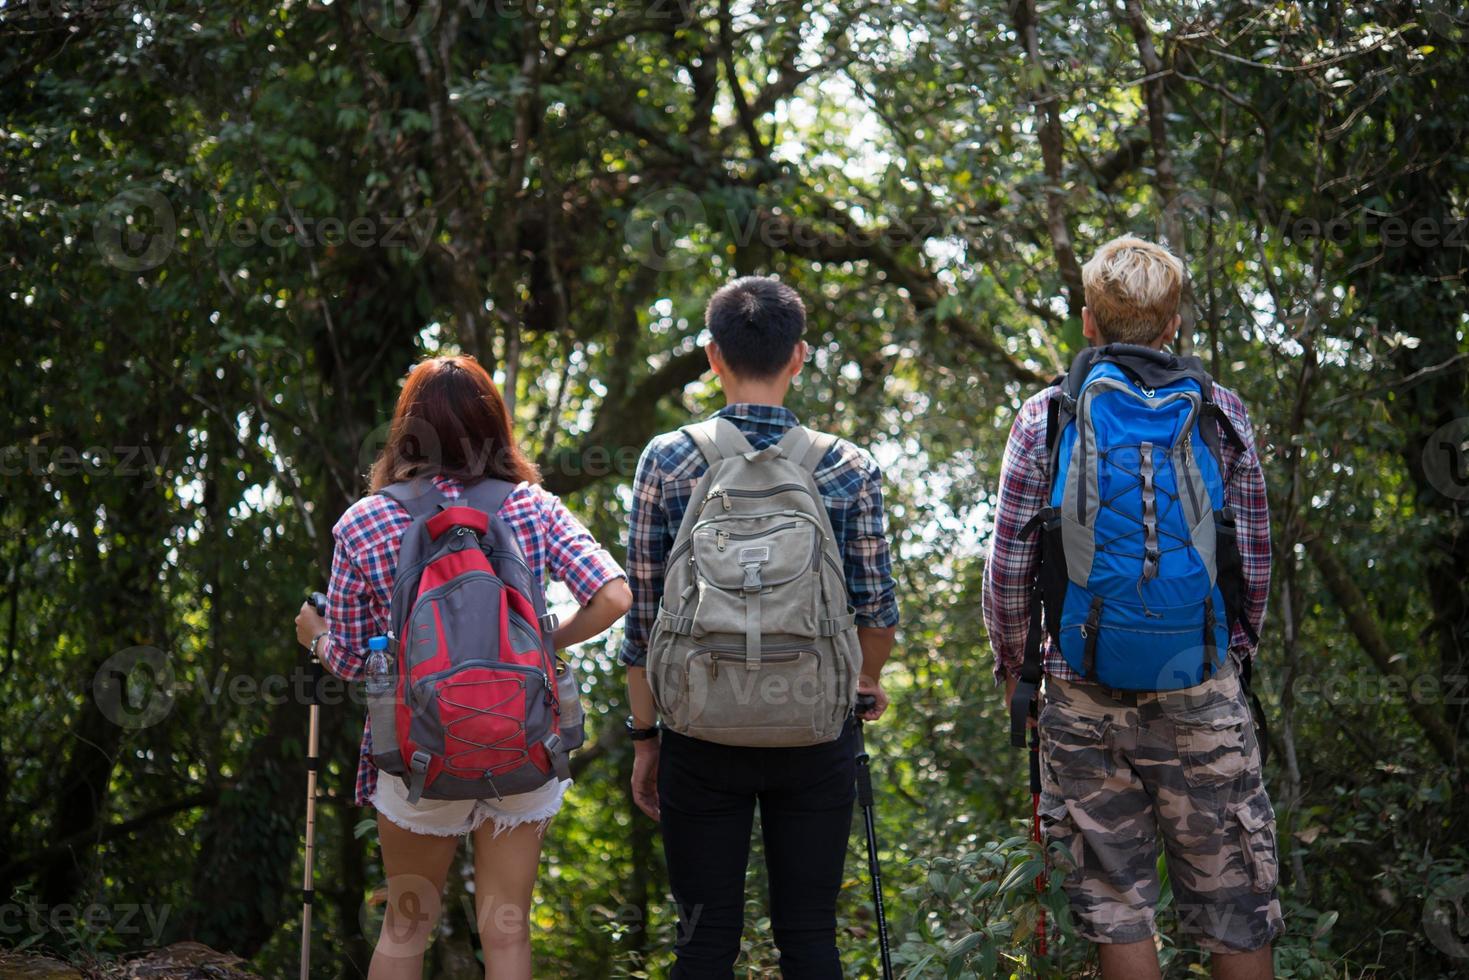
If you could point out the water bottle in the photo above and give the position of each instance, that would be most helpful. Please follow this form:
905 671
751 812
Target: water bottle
380 691
377 658
573 717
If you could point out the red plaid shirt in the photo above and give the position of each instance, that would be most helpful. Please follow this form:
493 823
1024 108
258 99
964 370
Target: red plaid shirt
1024 489
366 557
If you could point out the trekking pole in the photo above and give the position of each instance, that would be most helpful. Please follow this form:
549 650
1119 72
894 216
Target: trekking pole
1035 835
866 702
313 673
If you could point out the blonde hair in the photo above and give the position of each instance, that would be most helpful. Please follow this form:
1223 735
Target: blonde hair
1132 288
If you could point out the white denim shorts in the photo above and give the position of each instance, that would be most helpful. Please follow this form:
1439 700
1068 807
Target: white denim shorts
455 818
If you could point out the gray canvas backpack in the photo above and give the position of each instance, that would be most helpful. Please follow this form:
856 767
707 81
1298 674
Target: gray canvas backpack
755 643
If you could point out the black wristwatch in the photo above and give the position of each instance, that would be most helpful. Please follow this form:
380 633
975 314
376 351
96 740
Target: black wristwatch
641 734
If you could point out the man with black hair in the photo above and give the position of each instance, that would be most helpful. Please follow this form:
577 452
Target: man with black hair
705 794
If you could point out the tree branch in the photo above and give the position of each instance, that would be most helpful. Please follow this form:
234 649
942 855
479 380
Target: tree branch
1048 117
1365 628
98 836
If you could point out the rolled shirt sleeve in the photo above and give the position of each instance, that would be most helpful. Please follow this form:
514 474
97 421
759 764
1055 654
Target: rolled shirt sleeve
866 559
1011 564
573 556
1245 492
649 539
350 594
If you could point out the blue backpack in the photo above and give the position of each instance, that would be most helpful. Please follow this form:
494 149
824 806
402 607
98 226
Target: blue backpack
1139 580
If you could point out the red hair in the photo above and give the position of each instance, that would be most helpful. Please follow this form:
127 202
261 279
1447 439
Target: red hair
450 420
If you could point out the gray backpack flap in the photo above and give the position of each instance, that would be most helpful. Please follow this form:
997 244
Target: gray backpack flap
755 643
475 704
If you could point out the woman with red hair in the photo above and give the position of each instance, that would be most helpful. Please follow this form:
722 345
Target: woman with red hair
451 427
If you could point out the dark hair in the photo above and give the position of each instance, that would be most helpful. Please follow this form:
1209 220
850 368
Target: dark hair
450 420
756 322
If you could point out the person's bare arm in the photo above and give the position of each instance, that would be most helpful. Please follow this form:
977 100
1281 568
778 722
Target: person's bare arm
607 605
645 752
877 646
640 698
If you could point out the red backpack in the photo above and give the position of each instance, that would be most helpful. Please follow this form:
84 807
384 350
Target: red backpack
469 702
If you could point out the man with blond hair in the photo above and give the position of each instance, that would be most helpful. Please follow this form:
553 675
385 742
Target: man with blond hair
1129 567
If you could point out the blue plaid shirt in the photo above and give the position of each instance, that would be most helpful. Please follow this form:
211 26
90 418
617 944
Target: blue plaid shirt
848 479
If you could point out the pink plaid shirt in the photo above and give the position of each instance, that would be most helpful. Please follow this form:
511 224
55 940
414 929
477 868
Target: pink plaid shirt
1024 487
366 557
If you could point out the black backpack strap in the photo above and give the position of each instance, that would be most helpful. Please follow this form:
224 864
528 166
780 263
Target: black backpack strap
418 496
1257 710
1025 702
1060 410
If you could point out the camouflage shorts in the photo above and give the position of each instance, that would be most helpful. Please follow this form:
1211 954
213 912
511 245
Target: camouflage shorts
1120 770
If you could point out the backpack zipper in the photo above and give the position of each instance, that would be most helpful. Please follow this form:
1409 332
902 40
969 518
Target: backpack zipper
489 664
726 493
747 535
767 656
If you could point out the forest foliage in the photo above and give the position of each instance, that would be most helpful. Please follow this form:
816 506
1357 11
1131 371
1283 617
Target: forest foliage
226 229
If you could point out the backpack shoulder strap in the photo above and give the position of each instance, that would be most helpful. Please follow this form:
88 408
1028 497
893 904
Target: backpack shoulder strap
718 438
418 496
487 495
806 447
1072 381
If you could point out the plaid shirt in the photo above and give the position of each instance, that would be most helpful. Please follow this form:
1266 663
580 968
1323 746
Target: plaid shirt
366 557
848 479
1024 489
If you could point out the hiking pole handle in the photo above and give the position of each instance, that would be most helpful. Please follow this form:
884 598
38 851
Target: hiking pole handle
865 702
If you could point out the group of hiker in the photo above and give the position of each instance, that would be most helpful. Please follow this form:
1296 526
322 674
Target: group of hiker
1124 593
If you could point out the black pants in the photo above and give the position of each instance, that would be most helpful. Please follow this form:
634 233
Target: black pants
707 793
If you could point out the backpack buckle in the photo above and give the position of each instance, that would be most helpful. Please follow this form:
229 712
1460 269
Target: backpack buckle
752 577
